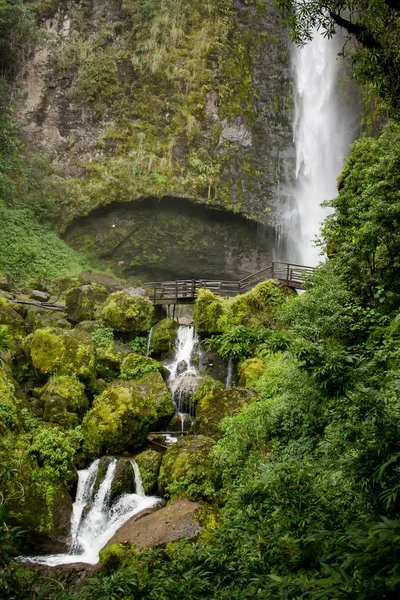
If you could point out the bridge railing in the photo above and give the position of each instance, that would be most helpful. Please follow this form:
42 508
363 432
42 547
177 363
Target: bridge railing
182 290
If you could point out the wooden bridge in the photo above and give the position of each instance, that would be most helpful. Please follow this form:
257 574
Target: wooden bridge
184 291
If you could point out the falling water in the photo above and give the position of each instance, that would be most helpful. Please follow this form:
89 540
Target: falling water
94 518
229 375
149 342
181 381
322 134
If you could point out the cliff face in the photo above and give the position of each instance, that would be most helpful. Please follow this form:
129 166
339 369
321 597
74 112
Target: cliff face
161 98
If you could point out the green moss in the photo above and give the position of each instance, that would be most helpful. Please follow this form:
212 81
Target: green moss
135 366
12 323
70 391
111 557
207 312
63 352
214 402
249 371
122 416
80 304
123 312
257 308
187 468
163 336
149 463
10 417
38 318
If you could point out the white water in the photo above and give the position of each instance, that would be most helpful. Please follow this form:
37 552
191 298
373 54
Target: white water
91 532
149 342
229 375
322 134
180 381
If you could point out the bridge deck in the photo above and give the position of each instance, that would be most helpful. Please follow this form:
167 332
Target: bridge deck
184 291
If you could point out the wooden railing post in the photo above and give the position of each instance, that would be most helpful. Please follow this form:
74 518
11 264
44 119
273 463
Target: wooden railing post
176 290
287 273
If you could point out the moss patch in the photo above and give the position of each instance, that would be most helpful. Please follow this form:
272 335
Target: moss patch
149 463
128 313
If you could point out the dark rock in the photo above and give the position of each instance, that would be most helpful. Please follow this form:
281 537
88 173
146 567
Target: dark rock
40 296
5 283
181 367
80 304
210 363
123 481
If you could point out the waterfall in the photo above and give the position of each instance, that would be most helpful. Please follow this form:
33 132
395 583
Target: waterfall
149 342
322 133
94 518
229 375
181 381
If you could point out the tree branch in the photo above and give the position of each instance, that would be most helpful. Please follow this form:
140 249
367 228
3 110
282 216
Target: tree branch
359 31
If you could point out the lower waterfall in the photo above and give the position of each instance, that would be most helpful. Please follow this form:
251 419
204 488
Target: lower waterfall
95 516
181 380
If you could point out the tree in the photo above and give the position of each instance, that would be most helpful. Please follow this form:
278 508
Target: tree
375 28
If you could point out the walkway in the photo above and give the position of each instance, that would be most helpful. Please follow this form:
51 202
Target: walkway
184 291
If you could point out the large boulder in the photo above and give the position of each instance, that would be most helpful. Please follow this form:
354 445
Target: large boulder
10 416
64 400
124 312
38 318
207 313
110 358
187 468
214 402
149 463
80 303
11 323
134 366
163 337
122 416
54 350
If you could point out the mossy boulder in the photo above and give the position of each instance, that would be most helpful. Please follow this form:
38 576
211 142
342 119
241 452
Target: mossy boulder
214 402
10 416
80 304
125 312
38 318
123 481
134 366
54 350
65 401
259 307
187 468
149 463
11 323
122 416
163 336
207 313
110 359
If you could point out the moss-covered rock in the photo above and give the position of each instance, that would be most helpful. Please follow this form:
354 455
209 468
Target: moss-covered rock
80 303
207 312
214 402
123 481
10 416
149 463
38 318
134 366
110 359
11 322
187 468
124 312
53 350
163 336
65 401
122 416
259 307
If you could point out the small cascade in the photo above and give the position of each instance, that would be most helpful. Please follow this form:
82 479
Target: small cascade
182 381
229 375
95 518
149 342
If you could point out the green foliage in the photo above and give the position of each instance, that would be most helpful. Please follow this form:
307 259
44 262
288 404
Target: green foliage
374 25
138 345
54 449
237 343
102 336
135 366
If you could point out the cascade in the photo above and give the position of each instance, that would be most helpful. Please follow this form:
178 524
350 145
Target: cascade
94 518
149 342
181 380
229 375
322 131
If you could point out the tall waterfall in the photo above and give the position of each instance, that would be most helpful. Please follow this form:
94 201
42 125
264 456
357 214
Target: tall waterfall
322 133
95 518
